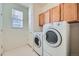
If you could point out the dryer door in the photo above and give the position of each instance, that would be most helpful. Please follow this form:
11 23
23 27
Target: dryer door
53 37
37 41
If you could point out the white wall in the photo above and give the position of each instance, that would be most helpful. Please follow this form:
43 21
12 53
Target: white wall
31 24
37 8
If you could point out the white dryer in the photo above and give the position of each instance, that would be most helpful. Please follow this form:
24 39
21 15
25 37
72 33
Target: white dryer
56 39
37 43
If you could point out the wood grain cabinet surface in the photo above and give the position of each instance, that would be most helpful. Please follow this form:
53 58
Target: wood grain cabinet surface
69 12
41 19
55 14
47 16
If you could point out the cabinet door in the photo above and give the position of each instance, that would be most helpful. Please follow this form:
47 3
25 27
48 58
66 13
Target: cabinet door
62 11
55 14
41 19
47 16
70 11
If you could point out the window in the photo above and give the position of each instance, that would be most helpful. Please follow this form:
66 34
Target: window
17 18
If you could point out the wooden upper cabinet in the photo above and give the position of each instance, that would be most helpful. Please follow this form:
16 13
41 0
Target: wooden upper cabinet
55 14
47 16
69 12
63 12
41 19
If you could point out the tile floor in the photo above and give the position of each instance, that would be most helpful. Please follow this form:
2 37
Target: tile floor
23 51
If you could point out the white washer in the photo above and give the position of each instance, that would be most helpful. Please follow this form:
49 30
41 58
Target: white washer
56 39
37 43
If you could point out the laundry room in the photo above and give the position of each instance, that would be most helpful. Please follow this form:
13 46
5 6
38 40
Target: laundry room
39 29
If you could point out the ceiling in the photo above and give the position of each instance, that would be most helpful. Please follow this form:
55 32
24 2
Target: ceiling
30 4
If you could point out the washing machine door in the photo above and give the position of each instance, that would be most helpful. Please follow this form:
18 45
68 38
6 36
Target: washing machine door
53 37
37 41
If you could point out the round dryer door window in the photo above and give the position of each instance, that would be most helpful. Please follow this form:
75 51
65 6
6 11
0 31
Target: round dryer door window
37 41
53 37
